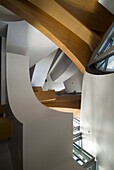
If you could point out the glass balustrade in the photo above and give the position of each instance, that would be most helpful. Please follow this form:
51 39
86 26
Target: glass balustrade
79 154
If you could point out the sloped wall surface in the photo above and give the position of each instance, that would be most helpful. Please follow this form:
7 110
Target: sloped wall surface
41 70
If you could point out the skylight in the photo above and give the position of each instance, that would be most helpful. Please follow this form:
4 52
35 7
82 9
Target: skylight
103 57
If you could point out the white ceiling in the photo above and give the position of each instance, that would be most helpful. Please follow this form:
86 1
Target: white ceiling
7 15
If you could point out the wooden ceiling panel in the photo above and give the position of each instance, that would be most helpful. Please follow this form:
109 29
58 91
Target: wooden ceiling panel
74 47
60 14
89 12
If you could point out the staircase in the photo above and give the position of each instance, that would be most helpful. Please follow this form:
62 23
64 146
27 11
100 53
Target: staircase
79 154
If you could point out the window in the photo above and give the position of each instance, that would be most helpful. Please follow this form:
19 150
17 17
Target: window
103 58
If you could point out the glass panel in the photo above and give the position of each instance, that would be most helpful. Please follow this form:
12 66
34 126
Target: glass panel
110 65
75 157
75 132
79 143
80 162
107 64
109 42
79 154
101 65
76 122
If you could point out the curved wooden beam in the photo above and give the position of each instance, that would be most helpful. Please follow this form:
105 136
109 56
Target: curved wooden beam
92 14
56 11
73 46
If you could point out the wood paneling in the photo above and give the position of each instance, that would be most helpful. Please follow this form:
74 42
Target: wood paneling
37 89
51 98
66 101
5 128
71 44
44 96
56 11
91 14
2 109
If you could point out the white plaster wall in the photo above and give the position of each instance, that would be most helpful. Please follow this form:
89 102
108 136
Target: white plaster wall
69 72
41 70
74 83
70 164
39 45
17 37
47 134
58 84
97 118
60 66
24 39
51 85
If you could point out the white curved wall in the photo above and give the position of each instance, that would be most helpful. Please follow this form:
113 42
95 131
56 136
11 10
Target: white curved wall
60 66
17 37
69 72
24 39
97 118
57 86
74 83
47 134
41 70
70 80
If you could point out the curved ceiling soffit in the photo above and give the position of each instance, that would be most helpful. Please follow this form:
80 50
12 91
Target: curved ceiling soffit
7 15
72 45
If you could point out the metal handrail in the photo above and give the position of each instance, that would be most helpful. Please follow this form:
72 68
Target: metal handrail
103 56
81 154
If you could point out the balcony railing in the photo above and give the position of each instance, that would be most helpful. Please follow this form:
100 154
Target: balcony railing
79 154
